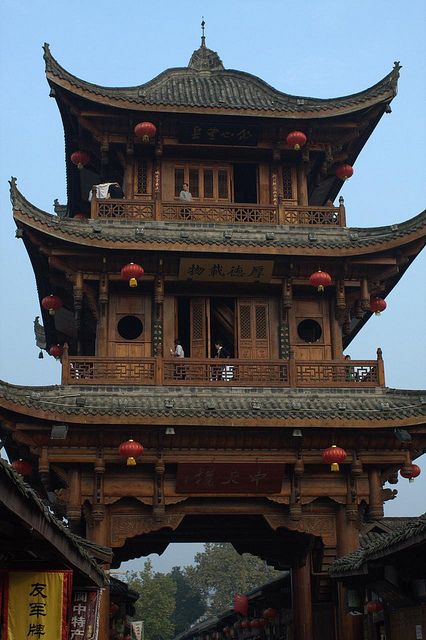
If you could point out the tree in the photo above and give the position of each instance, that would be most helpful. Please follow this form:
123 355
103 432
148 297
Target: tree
189 602
219 572
156 603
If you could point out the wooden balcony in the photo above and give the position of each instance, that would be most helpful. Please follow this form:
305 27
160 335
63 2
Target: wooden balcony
84 370
230 213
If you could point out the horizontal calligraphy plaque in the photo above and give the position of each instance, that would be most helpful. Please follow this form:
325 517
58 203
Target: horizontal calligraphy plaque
237 135
225 270
224 478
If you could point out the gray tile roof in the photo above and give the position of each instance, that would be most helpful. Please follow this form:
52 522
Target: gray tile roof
213 87
381 545
147 234
16 484
345 405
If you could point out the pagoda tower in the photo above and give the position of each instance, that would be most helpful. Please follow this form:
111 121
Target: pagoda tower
282 447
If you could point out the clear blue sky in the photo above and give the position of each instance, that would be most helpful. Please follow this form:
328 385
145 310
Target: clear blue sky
324 49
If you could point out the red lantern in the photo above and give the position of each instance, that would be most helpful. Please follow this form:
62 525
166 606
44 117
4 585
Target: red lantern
130 450
145 130
56 350
270 613
377 305
80 158
113 609
227 631
245 624
296 139
241 603
51 304
334 455
320 279
132 272
23 467
255 623
80 216
410 471
344 171
374 606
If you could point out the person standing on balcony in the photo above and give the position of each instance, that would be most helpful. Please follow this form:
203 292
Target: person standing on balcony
178 352
185 196
226 372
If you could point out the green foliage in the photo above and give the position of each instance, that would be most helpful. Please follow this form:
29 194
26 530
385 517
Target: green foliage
156 603
219 572
189 604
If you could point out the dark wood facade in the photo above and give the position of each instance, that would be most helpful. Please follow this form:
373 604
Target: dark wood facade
233 265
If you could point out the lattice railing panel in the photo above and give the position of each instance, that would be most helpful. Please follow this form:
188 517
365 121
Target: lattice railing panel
111 370
221 213
336 373
312 215
125 209
235 372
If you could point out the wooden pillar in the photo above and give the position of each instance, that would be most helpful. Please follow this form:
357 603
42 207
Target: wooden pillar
302 187
349 627
302 602
98 532
375 488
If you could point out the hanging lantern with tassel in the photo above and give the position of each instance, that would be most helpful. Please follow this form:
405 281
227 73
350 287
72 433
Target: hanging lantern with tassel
56 350
23 467
51 304
410 471
296 140
344 171
132 272
320 280
130 450
377 305
146 131
334 456
80 158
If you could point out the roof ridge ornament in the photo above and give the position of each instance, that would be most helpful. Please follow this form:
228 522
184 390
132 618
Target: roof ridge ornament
204 59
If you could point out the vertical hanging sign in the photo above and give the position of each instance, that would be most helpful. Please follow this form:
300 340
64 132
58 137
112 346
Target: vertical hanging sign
137 628
84 623
36 605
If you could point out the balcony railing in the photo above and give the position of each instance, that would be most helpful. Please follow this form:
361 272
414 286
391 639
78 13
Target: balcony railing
230 213
212 372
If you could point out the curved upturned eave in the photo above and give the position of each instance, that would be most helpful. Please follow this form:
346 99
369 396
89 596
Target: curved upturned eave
160 236
288 106
103 405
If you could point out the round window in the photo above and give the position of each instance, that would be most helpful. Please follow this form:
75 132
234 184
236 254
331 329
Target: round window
130 327
309 331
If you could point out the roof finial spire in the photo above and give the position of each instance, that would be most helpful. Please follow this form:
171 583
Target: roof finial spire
203 38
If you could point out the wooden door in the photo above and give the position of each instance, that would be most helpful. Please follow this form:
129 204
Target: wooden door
310 330
253 329
200 328
129 327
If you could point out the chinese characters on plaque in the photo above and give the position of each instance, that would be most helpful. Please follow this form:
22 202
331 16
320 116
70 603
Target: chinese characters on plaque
218 270
85 615
227 478
237 135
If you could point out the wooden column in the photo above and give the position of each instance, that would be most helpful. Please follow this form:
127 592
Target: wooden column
375 488
302 187
302 602
349 627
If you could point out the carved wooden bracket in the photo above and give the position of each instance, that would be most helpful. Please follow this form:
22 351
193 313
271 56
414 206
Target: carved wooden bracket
125 526
318 525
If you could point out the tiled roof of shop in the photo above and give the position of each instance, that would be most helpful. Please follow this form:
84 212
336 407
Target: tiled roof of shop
206 84
346 405
17 484
380 546
119 234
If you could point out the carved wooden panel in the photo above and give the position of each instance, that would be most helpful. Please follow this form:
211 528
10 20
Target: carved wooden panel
318 525
253 329
127 525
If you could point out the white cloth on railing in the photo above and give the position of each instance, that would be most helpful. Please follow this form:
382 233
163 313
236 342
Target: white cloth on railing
101 190
228 372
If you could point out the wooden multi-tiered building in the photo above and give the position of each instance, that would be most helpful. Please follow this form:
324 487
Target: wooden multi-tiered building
233 448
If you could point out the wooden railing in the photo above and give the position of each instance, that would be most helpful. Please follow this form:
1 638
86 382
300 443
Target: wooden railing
212 372
230 213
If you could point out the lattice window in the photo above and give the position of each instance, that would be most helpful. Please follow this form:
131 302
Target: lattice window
194 187
245 324
287 183
197 321
261 323
142 177
208 183
179 180
223 184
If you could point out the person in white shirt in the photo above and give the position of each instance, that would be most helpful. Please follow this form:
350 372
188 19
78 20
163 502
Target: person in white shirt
178 351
